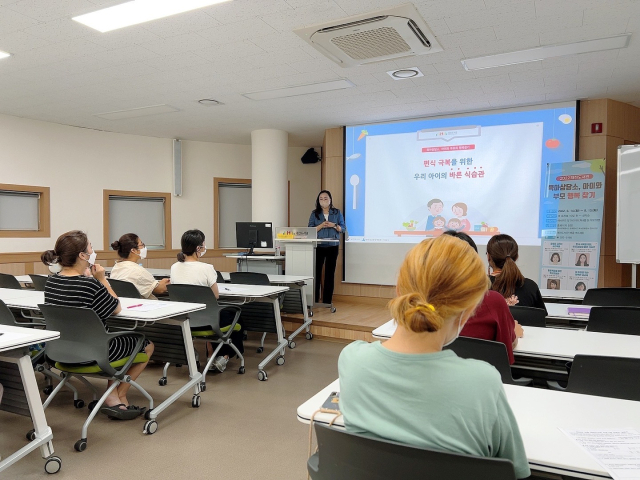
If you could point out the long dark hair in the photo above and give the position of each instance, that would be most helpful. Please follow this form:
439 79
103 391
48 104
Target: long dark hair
68 246
125 244
503 251
190 241
318 209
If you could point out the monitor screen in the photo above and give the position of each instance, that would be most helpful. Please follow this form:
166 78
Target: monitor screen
254 235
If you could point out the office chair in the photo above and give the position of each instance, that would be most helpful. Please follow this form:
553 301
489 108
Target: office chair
347 456
622 320
38 281
254 278
205 324
83 351
220 278
124 288
529 316
612 297
494 353
9 281
615 377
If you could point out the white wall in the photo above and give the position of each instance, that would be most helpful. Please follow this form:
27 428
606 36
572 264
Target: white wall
78 164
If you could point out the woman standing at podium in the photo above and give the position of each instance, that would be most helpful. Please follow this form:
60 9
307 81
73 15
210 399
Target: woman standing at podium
329 223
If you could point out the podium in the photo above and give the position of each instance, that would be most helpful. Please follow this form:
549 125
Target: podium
300 244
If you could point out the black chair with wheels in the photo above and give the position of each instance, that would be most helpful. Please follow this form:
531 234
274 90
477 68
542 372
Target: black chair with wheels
220 278
347 456
83 351
622 320
9 281
124 288
38 281
529 316
205 324
494 353
615 377
612 297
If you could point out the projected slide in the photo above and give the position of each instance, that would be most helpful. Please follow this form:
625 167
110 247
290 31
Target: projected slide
479 174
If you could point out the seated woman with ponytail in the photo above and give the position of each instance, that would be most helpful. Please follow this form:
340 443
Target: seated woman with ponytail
409 389
80 282
506 277
131 250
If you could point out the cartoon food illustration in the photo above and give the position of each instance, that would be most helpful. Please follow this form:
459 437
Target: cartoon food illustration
552 143
410 225
363 134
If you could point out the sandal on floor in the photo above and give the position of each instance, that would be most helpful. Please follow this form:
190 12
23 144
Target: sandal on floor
116 412
135 408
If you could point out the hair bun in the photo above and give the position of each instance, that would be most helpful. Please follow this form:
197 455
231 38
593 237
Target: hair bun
115 245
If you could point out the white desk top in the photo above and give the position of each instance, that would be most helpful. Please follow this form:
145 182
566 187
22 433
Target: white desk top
277 278
257 257
556 343
252 291
540 413
562 294
16 337
8 293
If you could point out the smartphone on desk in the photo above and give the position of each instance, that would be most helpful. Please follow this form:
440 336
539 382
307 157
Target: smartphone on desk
332 403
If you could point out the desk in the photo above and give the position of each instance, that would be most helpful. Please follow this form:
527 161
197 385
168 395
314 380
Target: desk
561 315
269 264
14 354
562 296
172 313
258 317
540 413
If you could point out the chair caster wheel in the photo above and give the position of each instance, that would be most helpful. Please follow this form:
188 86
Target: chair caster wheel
162 382
309 336
333 309
47 390
92 405
31 435
53 465
262 376
259 349
78 403
195 401
311 313
241 371
150 427
292 344
81 445
203 387
280 360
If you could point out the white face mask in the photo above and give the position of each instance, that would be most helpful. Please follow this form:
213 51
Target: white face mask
92 257
203 251
55 268
143 253
460 325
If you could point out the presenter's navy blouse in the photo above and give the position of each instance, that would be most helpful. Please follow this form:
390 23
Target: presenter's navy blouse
335 216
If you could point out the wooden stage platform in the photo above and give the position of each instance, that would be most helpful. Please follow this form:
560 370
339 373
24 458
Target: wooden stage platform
355 318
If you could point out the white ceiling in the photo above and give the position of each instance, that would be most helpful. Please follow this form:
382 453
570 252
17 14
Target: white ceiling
64 72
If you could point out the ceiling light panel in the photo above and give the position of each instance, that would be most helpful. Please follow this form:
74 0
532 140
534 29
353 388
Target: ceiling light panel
4 54
139 11
136 112
300 90
550 51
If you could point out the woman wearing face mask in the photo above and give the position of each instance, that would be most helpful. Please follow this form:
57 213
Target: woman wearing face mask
329 224
131 250
411 391
82 283
191 271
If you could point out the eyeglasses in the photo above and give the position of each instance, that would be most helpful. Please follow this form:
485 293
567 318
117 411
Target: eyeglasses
142 245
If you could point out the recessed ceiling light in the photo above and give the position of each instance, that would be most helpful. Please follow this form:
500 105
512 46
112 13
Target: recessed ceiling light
405 73
549 51
300 90
139 11
209 102
137 112
4 54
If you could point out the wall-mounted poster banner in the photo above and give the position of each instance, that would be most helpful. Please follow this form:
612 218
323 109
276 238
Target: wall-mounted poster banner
572 203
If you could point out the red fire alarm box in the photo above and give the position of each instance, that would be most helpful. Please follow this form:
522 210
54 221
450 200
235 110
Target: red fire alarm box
596 128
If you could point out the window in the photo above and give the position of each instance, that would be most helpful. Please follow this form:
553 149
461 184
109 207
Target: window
232 200
147 214
24 211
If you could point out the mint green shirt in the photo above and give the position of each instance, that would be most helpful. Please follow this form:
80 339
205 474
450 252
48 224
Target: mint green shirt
432 400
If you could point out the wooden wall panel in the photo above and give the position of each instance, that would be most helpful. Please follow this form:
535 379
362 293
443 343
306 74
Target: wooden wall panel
592 111
13 268
334 142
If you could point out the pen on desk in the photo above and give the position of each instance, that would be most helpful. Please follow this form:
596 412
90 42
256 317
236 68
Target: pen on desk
134 306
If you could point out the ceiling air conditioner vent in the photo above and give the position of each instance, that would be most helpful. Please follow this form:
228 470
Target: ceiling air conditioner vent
382 35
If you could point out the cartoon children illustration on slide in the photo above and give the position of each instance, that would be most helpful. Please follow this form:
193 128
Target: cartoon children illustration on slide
454 224
438 223
435 207
460 212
